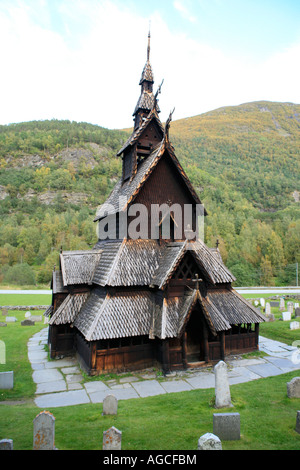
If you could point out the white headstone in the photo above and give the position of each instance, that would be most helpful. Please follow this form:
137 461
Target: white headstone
286 316
296 305
262 302
281 304
222 389
11 319
268 309
290 307
294 325
209 442
27 315
256 303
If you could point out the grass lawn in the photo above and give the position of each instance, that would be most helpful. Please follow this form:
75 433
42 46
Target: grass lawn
166 422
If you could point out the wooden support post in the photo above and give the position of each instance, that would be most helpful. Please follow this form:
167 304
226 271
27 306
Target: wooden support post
165 355
256 334
93 350
222 345
205 340
184 360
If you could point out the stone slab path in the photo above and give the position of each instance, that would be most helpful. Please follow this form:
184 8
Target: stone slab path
60 382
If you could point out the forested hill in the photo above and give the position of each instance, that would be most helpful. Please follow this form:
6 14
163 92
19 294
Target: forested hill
242 160
254 147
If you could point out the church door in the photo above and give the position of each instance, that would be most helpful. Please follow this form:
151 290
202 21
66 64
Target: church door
196 338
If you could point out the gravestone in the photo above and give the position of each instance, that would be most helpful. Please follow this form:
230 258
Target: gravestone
112 439
256 303
222 389
274 304
27 322
286 316
7 380
262 302
294 325
110 405
268 309
297 429
27 315
290 307
296 305
37 318
271 317
281 304
297 312
6 444
2 323
2 352
43 431
4 311
293 388
209 442
11 319
227 426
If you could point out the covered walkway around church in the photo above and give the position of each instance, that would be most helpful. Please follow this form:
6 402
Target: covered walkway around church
60 383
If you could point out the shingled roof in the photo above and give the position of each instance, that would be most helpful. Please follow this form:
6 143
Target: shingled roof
69 309
77 267
118 315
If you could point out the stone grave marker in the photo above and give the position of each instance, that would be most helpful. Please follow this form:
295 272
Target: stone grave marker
27 322
286 316
297 312
112 439
27 314
222 389
294 325
4 311
110 405
293 388
256 303
43 431
227 426
268 309
36 318
6 444
262 302
11 319
290 307
2 323
297 429
296 305
274 304
281 304
209 442
7 380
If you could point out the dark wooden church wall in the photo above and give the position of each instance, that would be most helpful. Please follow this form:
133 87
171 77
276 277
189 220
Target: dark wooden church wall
164 186
122 354
61 340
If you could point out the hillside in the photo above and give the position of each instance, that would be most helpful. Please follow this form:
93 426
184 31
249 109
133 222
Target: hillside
242 160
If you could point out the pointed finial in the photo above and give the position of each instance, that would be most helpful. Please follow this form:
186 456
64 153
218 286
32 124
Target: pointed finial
148 49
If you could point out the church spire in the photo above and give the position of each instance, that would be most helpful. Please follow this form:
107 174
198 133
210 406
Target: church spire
146 100
148 49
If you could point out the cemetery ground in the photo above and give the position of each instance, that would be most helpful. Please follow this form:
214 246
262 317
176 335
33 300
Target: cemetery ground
172 421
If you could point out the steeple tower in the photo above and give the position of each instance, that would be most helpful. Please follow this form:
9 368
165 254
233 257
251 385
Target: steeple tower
146 99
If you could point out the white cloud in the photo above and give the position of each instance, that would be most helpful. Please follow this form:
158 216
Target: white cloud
183 10
93 76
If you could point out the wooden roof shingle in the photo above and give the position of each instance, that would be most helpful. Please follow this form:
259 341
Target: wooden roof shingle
77 267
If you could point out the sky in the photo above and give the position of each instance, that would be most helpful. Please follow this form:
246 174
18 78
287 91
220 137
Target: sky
82 60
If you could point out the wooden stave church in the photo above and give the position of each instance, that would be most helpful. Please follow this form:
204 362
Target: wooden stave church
130 304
